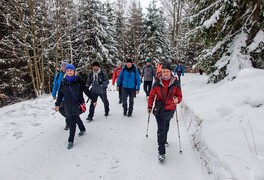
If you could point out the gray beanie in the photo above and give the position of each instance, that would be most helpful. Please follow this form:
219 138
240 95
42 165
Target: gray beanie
64 64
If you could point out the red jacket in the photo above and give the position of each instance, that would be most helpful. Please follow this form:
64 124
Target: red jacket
161 88
115 74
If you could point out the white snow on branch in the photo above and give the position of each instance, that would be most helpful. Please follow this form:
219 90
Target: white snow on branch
259 38
210 22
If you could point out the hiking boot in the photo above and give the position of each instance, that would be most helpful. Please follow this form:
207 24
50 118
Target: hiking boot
67 127
106 113
129 113
81 133
161 157
70 145
89 118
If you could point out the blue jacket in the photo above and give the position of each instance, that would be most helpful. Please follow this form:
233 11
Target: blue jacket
57 82
179 70
129 78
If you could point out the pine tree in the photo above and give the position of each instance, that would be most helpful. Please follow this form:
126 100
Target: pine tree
134 31
226 29
120 30
154 42
93 39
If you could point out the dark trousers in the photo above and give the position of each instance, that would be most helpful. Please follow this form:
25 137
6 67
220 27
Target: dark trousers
163 123
104 100
62 111
147 87
131 93
179 75
73 121
120 95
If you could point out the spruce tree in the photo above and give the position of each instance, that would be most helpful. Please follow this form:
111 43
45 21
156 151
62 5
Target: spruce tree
226 29
154 42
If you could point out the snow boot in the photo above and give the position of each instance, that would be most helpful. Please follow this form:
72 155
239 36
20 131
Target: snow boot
81 133
67 127
89 118
129 113
106 113
70 145
161 157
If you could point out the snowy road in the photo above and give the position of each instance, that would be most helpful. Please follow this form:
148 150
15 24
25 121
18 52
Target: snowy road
33 145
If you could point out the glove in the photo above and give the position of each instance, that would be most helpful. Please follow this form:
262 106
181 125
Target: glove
149 111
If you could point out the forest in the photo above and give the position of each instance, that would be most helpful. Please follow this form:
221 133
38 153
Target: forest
221 37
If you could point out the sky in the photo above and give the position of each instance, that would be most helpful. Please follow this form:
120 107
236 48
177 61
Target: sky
220 132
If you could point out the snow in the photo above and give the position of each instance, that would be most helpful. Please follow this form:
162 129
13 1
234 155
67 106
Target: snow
221 135
229 114
259 38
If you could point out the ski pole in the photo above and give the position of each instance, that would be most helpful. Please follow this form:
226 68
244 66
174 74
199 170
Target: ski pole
178 130
148 125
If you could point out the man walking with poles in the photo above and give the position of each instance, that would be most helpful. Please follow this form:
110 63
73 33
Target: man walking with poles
167 94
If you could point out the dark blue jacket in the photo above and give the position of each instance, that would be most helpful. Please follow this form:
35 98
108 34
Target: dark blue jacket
129 78
179 70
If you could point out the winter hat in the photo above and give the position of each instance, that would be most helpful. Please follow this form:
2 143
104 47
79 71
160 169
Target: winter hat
70 66
96 64
129 60
64 64
166 66
119 63
148 60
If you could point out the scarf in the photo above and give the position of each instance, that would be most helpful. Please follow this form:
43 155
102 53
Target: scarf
71 78
95 75
166 79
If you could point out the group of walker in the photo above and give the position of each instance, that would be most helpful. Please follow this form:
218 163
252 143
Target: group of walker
163 95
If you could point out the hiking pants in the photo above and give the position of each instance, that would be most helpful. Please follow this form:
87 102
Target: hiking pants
62 111
147 87
104 100
131 93
73 121
163 123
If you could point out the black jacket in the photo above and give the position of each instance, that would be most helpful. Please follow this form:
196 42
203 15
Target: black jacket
98 87
72 102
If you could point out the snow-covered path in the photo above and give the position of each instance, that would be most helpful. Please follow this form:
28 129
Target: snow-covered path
33 145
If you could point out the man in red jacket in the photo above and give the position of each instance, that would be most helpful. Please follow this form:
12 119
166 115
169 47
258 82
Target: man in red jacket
167 94
115 76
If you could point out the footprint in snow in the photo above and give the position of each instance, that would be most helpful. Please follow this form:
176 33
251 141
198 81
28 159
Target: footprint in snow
35 124
18 134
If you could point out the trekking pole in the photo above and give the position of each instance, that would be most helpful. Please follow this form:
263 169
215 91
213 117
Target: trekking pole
178 130
148 125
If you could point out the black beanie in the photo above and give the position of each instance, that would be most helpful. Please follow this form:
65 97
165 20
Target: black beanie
129 60
166 66
96 64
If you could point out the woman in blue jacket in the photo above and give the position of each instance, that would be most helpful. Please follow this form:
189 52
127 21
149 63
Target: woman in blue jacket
129 83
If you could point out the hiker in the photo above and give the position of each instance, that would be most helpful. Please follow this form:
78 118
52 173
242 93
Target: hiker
166 92
98 81
148 73
129 83
179 71
71 90
115 76
56 86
